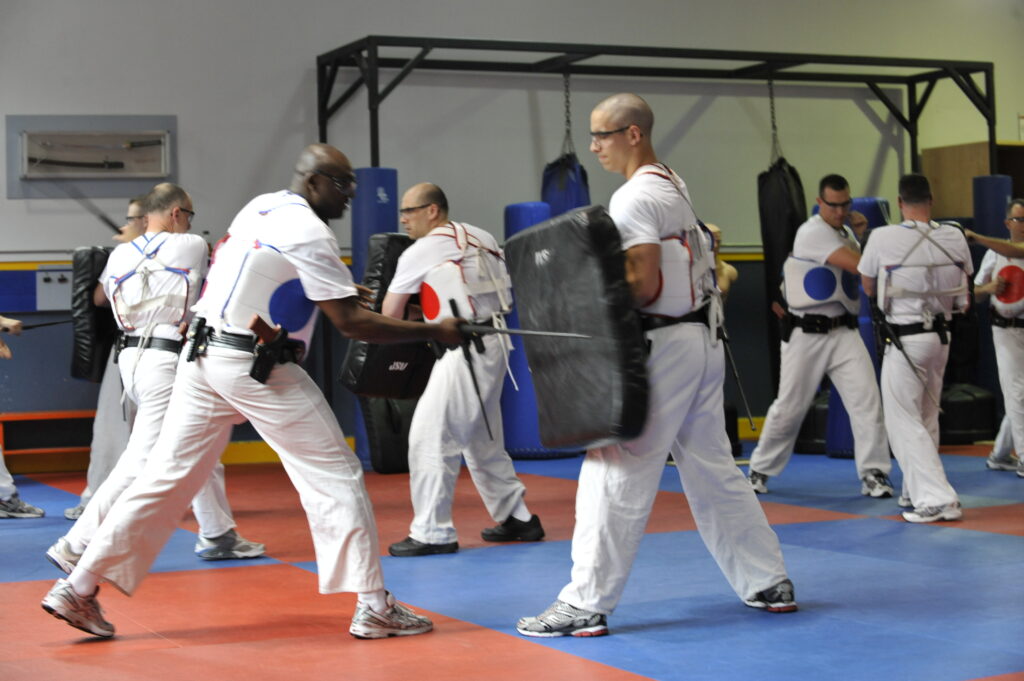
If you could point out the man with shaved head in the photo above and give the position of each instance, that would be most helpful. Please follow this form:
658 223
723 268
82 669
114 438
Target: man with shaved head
448 424
685 368
280 262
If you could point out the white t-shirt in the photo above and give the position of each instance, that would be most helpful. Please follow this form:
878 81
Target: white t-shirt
284 222
816 240
155 279
986 270
652 205
443 244
889 247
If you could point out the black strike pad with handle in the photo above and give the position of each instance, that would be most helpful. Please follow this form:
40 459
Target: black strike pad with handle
569 275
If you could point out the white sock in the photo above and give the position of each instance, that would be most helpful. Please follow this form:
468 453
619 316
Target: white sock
83 582
520 512
377 600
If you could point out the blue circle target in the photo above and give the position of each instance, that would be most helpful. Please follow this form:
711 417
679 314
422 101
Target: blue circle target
290 307
820 283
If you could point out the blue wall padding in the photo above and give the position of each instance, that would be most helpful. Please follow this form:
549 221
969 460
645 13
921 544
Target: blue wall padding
519 408
17 290
374 210
991 195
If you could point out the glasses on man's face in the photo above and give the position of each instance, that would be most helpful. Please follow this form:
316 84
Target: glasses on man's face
842 205
1015 219
598 136
412 209
345 185
190 213
129 218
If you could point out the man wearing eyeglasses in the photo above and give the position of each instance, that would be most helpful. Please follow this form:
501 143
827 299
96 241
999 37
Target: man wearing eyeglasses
685 369
918 270
448 424
151 281
281 259
1001 275
112 424
820 337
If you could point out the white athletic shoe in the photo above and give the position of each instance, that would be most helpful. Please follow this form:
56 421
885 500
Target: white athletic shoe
16 508
1007 463
228 546
759 481
397 620
562 619
81 612
930 514
61 555
876 484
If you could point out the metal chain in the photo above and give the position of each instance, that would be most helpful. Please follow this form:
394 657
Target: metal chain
776 147
567 145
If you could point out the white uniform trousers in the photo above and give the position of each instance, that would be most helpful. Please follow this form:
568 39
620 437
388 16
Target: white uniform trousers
1002 448
448 425
110 429
618 484
148 378
7 488
292 416
806 358
912 417
1009 345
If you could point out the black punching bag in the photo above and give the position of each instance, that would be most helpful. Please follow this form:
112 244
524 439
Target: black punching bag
780 198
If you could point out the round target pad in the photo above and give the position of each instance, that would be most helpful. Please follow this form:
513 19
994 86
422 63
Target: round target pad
429 302
1014 277
820 283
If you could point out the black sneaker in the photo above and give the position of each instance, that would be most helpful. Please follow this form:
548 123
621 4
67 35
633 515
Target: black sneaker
515 530
411 547
779 598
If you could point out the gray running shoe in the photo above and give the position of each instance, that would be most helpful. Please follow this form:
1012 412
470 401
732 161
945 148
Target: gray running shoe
876 484
1007 463
228 546
16 508
930 514
74 513
562 619
779 598
81 612
397 620
759 481
61 555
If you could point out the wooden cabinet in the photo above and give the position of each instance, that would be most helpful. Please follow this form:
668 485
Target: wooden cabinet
952 170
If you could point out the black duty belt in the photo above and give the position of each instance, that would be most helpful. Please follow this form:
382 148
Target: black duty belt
939 326
151 342
649 322
1006 322
235 341
819 323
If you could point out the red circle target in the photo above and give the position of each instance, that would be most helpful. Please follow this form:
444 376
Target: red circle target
1014 277
429 302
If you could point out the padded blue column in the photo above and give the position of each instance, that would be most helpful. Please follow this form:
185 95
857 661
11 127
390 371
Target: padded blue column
374 210
992 193
519 408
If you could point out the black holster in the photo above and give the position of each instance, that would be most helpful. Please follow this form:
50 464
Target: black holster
278 351
196 339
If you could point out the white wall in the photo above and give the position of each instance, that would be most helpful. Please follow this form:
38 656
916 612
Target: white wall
240 78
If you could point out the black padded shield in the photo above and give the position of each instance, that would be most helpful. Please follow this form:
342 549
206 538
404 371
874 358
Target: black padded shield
569 275
93 327
396 371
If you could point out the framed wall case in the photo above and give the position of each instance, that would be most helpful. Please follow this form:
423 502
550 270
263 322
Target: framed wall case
84 154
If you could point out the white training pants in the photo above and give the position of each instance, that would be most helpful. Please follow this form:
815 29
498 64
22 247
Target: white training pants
148 383
292 416
618 484
110 429
1009 345
7 488
806 358
447 426
1002 448
912 416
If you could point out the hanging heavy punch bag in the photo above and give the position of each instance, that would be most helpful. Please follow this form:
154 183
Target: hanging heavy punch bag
564 184
782 207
